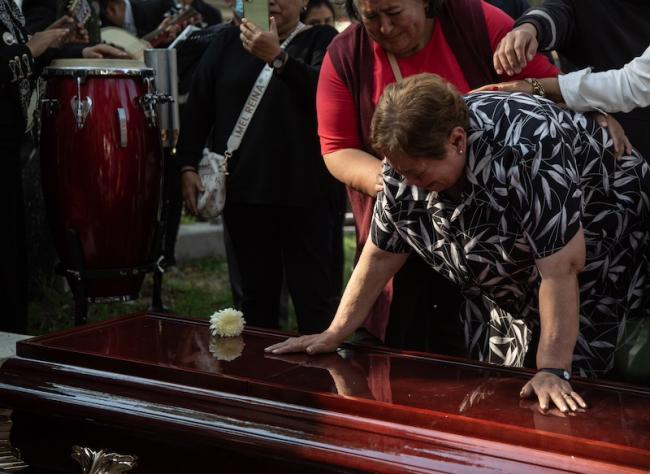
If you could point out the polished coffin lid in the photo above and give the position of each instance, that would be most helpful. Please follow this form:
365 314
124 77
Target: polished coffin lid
362 408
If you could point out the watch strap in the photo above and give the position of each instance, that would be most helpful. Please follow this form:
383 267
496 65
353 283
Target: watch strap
562 373
280 60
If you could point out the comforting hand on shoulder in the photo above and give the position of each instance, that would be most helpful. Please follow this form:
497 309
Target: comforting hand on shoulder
515 50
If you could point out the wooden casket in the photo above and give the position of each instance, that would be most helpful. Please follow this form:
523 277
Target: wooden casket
161 388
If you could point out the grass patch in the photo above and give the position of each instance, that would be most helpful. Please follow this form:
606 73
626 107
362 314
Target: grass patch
195 288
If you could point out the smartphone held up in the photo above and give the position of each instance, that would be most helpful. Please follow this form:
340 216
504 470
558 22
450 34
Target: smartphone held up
257 12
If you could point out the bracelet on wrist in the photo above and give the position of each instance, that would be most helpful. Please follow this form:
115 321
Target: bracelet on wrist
538 88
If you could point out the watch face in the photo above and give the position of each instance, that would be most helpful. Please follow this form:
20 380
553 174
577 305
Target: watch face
566 375
279 60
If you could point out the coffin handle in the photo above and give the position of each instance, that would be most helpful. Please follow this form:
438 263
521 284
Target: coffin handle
102 462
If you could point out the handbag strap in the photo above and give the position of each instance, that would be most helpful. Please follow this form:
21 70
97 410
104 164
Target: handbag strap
392 60
254 99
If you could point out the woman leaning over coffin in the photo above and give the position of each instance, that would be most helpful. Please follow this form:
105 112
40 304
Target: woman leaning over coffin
525 207
454 39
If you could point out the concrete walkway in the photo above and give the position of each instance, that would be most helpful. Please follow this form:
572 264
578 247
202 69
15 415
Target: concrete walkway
8 344
199 240
204 239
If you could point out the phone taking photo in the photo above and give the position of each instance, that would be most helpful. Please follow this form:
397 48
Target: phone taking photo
257 12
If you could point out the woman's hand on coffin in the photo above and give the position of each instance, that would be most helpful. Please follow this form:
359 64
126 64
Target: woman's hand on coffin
311 344
550 388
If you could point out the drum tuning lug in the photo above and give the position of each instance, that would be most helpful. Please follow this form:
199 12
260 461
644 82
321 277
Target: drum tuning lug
81 109
50 106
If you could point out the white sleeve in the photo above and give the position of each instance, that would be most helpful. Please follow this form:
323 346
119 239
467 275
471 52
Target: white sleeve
617 90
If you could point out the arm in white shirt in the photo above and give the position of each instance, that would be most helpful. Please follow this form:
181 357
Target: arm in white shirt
617 90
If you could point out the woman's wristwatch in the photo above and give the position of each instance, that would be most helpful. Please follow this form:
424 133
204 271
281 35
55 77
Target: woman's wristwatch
280 60
562 373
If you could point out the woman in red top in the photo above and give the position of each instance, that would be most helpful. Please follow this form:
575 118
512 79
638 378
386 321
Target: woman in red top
454 39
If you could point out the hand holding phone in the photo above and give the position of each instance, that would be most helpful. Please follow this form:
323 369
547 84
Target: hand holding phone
257 12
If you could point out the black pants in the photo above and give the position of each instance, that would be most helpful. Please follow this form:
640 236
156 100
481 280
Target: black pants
13 270
424 313
337 198
268 240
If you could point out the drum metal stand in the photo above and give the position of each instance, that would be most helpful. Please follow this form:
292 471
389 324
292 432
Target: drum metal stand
79 276
164 111
160 242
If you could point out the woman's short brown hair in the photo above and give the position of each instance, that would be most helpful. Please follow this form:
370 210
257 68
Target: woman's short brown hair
416 115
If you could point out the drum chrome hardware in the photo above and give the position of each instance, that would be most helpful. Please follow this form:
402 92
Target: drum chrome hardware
150 100
96 68
121 117
50 106
80 107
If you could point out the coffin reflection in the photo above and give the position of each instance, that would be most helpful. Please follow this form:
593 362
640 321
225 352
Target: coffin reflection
163 389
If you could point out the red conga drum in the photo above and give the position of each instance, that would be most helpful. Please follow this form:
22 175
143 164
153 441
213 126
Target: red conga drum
101 172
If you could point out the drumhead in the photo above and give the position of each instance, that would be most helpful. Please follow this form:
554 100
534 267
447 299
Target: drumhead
97 67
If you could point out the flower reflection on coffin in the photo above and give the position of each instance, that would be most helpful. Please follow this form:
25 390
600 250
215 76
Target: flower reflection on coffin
227 348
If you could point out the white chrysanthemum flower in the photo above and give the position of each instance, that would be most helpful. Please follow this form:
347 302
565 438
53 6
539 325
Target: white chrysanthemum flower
227 323
227 348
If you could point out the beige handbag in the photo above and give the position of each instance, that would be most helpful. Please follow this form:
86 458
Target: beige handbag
213 167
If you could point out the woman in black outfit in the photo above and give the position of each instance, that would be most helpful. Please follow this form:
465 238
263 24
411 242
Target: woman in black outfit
276 208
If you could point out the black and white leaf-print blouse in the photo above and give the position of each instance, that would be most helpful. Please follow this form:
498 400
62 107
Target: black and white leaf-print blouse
535 174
